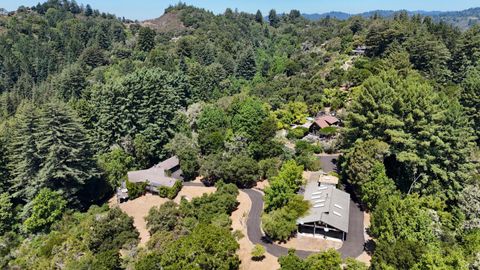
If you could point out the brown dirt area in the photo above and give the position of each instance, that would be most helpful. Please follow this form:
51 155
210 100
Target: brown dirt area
139 207
311 243
138 210
168 22
239 222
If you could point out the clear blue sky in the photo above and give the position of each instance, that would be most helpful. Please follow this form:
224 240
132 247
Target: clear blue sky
147 9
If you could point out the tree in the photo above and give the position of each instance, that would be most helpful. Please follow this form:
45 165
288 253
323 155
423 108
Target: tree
247 67
291 261
47 208
166 217
71 82
395 218
214 247
406 116
328 260
142 106
280 224
188 152
247 117
273 18
110 231
146 39
379 186
352 264
93 57
469 203
6 213
259 17
277 195
88 10
258 252
116 164
65 152
25 160
470 97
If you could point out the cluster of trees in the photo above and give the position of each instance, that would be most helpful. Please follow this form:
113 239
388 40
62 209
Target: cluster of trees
200 227
282 204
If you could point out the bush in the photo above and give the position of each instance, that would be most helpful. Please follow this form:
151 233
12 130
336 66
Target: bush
136 190
170 192
328 131
258 252
297 133
317 148
268 168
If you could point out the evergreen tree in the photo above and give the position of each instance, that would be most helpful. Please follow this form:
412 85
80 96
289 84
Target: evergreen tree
247 66
259 17
146 39
273 18
67 162
88 11
4 170
25 161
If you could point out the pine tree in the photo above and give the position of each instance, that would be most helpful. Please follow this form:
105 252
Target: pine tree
146 39
24 162
273 18
88 10
4 170
246 66
67 162
259 17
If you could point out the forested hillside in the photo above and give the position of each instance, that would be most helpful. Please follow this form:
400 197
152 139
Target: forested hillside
86 97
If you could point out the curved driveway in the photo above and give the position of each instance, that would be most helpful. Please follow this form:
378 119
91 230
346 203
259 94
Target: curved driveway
352 247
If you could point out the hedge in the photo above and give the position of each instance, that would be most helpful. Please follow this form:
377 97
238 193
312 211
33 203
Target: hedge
136 190
170 192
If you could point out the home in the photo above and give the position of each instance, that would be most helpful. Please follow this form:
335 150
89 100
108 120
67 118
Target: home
329 212
165 173
323 122
359 50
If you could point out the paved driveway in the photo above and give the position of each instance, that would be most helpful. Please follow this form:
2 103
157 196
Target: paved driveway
352 247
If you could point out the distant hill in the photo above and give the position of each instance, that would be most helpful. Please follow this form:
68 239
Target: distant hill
462 19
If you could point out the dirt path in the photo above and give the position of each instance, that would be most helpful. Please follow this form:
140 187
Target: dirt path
239 222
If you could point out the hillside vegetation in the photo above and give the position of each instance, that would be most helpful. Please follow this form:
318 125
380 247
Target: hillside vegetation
86 97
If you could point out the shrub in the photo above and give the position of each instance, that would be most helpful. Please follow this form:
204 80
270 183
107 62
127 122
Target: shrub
297 133
136 190
328 131
258 252
170 192
317 148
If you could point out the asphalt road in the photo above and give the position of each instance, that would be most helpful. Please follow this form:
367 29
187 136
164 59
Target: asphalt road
328 162
352 247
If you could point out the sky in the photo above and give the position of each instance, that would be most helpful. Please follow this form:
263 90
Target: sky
149 9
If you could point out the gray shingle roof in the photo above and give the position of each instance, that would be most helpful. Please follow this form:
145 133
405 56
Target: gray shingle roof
155 176
328 205
168 164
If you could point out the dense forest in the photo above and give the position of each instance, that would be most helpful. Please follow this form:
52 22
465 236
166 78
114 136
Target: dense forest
86 96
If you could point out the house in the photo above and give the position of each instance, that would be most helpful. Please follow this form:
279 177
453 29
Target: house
329 212
165 173
322 122
359 50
